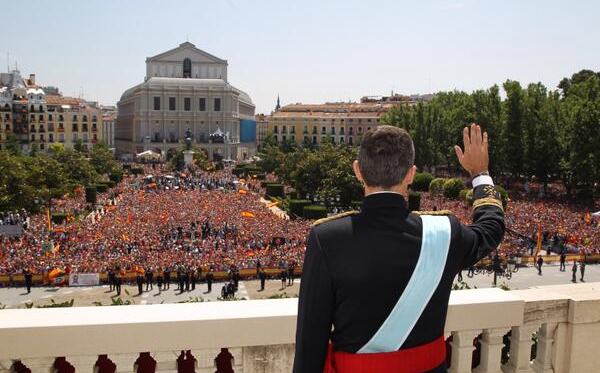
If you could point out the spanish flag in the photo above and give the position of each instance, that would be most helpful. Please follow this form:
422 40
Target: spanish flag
243 191
49 220
56 248
129 216
266 249
247 214
272 204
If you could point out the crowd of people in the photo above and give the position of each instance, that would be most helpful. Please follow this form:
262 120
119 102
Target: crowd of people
197 222
166 221
564 227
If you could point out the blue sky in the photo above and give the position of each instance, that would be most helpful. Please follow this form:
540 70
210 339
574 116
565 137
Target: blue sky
305 51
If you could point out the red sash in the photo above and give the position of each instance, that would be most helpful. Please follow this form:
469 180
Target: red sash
411 360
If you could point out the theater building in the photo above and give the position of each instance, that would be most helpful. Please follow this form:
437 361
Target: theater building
186 88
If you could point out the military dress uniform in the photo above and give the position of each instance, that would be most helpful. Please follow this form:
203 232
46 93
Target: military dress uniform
357 266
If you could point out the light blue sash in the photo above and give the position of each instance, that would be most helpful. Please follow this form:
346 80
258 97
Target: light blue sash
421 286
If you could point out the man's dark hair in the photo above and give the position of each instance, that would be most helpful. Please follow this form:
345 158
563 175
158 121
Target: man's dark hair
385 156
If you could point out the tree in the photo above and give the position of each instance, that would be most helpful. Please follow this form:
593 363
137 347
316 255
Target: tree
513 111
102 159
13 145
78 146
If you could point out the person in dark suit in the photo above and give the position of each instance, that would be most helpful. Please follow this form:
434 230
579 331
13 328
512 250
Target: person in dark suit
339 287
574 270
159 279
209 280
540 262
582 270
563 259
167 276
283 277
118 280
140 281
28 279
262 276
149 279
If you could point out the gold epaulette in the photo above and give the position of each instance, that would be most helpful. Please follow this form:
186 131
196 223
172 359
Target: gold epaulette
487 201
342 215
440 212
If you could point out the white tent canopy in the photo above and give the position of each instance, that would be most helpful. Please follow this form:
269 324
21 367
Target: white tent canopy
596 214
148 154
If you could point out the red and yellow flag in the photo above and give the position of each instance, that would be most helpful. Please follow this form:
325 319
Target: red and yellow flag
56 248
243 191
538 246
129 217
49 220
247 214
272 204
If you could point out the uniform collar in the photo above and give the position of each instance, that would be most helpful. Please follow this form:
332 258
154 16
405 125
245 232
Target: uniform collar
385 199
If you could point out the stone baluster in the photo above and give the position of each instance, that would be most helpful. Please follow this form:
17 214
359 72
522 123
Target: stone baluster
238 358
520 349
6 366
205 359
83 364
39 365
462 350
166 361
124 362
491 351
543 359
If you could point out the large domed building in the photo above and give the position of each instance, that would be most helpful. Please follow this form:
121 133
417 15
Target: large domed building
186 88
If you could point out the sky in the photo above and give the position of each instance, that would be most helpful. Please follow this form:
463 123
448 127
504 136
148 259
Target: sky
309 51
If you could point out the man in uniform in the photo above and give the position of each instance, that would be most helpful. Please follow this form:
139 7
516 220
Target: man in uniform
29 277
149 278
574 270
563 259
382 276
263 276
118 280
167 276
209 280
140 281
582 270
540 262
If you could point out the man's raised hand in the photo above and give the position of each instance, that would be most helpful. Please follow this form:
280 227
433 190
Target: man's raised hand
475 158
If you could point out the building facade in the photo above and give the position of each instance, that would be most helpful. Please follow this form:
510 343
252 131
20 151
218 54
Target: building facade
262 126
307 124
186 88
39 120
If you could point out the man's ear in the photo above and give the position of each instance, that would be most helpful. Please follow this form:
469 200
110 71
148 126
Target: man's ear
357 172
410 175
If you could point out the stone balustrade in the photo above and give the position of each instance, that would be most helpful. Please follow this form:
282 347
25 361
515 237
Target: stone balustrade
488 330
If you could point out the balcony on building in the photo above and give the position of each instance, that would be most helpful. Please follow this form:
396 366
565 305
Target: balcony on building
542 329
84 127
94 127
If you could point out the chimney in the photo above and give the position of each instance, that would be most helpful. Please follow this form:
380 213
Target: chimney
32 79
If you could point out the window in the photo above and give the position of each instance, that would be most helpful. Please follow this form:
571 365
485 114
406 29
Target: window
51 137
323 130
75 127
172 103
333 130
61 137
275 130
217 104
75 137
156 103
187 68
202 104
50 117
187 104
350 141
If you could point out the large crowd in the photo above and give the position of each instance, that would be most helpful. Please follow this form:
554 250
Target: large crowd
167 221
160 221
564 227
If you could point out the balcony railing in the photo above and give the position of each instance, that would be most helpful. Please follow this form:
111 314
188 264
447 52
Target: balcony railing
259 334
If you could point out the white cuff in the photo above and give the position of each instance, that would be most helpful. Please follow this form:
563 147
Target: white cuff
482 180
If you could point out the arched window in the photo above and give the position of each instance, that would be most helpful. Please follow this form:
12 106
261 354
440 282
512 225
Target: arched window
187 68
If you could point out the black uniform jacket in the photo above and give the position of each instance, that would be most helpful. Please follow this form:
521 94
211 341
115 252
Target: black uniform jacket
357 266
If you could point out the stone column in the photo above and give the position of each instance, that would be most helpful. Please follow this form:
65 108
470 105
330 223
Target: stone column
83 364
166 361
124 362
543 359
520 349
205 359
268 359
39 365
491 351
462 350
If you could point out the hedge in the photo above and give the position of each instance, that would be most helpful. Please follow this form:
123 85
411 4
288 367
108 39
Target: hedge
275 190
437 186
59 218
137 170
421 182
261 176
503 195
297 206
90 194
264 184
356 205
101 188
314 212
414 201
116 176
466 195
452 188
238 172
